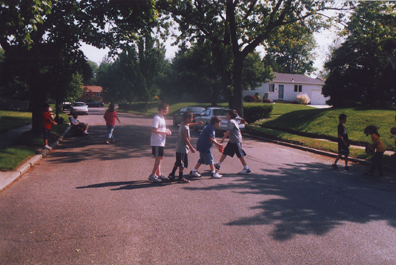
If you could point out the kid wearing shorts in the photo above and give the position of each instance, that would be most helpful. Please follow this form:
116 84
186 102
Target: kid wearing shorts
182 147
157 141
379 147
205 141
234 145
47 120
343 144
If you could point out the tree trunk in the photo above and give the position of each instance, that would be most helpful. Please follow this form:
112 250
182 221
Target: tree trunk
38 100
236 97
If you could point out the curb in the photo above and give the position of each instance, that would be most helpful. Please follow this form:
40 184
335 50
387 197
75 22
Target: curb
10 177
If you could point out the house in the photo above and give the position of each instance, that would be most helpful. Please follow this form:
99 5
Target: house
286 87
92 92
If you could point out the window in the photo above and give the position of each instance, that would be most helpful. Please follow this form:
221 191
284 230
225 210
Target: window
271 87
297 88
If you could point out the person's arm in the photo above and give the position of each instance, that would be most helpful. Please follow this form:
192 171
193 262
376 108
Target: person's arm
213 140
226 134
157 131
342 139
195 123
117 118
187 141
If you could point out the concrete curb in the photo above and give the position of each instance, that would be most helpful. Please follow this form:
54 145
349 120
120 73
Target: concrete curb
6 178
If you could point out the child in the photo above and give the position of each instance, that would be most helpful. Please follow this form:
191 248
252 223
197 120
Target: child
182 147
343 145
205 141
234 145
78 124
110 116
379 152
158 137
47 120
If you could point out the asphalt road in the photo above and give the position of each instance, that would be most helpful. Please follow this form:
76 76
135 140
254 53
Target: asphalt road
91 203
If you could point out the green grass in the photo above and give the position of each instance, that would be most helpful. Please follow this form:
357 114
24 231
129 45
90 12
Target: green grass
12 157
13 119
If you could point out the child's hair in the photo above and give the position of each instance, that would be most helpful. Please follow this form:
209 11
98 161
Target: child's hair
187 115
75 115
162 106
46 106
342 117
233 113
371 129
214 120
111 107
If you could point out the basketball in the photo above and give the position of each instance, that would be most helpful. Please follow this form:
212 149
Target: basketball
393 130
369 150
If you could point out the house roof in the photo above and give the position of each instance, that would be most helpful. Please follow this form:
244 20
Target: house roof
296 79
93 88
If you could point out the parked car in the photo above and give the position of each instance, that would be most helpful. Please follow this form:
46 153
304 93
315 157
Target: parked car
221 113
66 105
79 108
95 104
178 117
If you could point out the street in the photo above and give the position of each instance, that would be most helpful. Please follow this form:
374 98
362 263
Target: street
91 203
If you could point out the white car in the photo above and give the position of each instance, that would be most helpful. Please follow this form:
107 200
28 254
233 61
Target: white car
206 115
78 108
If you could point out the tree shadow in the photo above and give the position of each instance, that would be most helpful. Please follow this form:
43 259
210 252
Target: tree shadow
310 198
126 185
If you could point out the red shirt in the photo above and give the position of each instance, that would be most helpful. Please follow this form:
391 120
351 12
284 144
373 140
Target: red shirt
110 117
47 120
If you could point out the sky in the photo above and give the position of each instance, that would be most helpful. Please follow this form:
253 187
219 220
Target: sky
323 39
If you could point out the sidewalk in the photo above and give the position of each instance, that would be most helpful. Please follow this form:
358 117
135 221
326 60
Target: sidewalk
6 140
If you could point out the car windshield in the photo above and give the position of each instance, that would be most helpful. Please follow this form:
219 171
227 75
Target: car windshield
220 112
195 110
78 104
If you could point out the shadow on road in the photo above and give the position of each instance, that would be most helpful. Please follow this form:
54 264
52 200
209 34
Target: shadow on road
126 185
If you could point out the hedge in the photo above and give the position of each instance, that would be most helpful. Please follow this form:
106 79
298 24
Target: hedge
254 113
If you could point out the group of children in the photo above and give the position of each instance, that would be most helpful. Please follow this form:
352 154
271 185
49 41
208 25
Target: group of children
377 145
204 144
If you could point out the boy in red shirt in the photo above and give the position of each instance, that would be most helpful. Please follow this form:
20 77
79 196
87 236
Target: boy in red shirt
47 120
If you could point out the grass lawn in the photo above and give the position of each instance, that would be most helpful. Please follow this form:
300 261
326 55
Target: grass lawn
13 119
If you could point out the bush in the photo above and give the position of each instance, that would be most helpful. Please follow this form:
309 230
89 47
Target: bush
258 97
266 100
250 98
254 113
303 99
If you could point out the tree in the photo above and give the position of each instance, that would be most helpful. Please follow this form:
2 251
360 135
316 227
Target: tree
291 50
360 69
236 27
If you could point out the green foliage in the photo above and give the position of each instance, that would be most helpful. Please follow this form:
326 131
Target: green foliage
360 69
253 113
12 157
13 119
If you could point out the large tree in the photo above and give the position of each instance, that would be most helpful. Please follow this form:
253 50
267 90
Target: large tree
236 27
361 68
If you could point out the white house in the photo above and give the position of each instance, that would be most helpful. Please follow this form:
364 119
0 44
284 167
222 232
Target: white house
287 86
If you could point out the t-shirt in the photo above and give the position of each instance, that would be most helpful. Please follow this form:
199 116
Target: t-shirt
73 120
181 146
203 143
343 133
47 120
380 146
158 139
110 117
235 132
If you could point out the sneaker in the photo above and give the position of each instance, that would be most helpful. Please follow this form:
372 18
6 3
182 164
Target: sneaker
162 177
86 133
245 171
346 168
48 147
334 166
216 175
217 166
171 177
154 178
195 174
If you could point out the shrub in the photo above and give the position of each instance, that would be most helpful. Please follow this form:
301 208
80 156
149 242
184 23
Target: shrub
250 98
303 99
254 113
265 96
266 100
258 97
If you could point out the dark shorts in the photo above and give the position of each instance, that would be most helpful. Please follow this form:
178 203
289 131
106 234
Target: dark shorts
158 150
46 133
181 160
205 158
231 149
343 150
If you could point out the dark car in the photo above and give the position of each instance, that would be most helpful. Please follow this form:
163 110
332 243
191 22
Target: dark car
66 105
95 104
178 117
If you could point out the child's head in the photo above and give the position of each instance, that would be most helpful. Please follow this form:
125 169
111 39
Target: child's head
163 108
215 121
111 107
370 130
187 116
75 115
342 118
232 114
46 107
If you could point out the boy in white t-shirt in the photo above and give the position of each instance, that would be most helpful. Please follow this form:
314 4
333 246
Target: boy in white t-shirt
157 141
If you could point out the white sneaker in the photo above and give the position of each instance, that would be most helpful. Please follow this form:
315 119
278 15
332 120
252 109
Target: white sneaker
85 132
245 171
154 178
48 147
195 174
216 175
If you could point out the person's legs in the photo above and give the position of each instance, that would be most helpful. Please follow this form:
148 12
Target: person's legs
110 130
156 167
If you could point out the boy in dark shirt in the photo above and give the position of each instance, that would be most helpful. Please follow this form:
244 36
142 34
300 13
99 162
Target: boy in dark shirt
343 145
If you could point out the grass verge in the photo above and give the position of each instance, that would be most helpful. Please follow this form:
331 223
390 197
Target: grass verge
13 119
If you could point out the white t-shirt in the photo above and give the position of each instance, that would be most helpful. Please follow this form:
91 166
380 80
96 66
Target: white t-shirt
158 139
